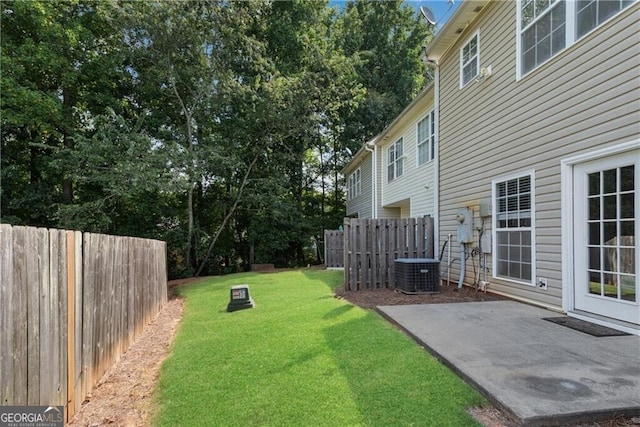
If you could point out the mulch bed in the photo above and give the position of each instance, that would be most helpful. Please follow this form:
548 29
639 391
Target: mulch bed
371 298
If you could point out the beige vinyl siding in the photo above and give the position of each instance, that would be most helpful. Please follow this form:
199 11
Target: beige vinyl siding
408 191
423 199
361 206
584 98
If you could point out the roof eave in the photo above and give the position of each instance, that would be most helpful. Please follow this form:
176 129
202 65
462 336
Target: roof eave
381 137
360 155
466 13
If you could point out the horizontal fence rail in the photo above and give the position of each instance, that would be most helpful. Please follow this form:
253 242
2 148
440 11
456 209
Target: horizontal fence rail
70 305
372 245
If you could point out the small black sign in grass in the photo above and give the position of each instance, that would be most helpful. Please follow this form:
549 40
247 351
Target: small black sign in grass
586 327
240 298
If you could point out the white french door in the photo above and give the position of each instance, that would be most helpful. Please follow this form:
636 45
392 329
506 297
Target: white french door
606 208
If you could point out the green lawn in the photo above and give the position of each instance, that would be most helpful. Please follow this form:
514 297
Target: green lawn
300 358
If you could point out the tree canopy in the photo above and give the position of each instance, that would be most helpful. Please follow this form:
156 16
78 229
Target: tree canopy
220 127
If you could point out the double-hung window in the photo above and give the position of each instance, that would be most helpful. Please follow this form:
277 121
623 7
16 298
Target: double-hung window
590 14
394 161
354 185
469 60
546 27
426 138
543 29
514 228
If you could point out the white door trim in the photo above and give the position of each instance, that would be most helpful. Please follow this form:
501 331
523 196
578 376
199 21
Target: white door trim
567 214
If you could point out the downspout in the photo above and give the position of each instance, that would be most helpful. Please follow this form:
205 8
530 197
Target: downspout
436 160
374 177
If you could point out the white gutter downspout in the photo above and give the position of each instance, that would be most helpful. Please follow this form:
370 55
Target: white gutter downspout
374 178
436 161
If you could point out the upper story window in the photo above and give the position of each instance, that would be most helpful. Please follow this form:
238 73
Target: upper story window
546 27
513 202
469 60
543 26
426 138
355 188
590 14
395 160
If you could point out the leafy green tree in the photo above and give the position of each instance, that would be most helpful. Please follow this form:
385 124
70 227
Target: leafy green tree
61 63
385 39
218 126
318 82
173 48
120 179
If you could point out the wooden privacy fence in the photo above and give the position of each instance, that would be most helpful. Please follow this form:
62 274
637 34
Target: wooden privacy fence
70 305
334 248
372 245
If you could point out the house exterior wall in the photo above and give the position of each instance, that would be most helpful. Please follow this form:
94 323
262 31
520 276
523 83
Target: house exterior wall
412 194
584 98
361 206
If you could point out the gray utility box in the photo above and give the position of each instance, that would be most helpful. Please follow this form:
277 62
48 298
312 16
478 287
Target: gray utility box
417 275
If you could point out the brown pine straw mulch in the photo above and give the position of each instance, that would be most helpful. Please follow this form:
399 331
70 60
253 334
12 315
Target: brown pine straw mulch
124 395
386 296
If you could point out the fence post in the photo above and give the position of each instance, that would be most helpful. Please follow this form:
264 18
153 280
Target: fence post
431 244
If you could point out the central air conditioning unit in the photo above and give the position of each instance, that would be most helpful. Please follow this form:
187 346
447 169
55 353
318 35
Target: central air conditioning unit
417 275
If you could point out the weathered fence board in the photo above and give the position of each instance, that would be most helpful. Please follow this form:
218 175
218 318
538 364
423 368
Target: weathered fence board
71 322
70 305
6 316
333 248
19 308
372 245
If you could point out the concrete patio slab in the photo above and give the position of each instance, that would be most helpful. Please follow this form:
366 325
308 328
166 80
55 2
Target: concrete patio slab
539 372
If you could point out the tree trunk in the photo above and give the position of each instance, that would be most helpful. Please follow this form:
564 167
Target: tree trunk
68 99
216 235
188 257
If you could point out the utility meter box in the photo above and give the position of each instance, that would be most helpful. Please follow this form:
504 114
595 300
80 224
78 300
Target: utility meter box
464 217
485 207
485 243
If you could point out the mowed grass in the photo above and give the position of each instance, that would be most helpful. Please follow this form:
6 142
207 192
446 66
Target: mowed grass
300 358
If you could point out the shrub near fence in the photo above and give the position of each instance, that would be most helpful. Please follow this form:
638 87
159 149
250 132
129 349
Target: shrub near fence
371 247
70 305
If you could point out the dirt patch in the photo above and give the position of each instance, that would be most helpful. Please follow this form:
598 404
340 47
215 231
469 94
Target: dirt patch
182 282
124 395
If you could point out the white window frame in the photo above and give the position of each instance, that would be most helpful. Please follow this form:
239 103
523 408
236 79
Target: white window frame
475 58
531 229
355 186
571 29
427 143
622 4
395 162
